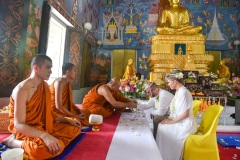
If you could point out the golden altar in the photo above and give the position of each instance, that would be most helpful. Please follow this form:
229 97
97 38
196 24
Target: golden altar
187 52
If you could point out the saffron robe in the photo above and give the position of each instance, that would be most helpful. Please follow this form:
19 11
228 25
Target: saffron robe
97 104
39 115
67 102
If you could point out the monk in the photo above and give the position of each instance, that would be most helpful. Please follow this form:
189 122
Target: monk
61 95
130 70
223 72
105 99
40 132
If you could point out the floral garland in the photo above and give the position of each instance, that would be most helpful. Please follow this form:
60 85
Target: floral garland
172 107
179 75
157 102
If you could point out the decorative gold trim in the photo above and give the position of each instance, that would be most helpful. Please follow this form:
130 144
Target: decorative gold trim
163 57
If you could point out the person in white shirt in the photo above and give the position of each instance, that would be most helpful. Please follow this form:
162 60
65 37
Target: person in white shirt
160 99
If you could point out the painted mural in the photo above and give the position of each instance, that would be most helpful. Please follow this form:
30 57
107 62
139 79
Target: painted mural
142 62
10 24
79 12
33 29
132 23
14 38
100 68
218 19
126 23
232 60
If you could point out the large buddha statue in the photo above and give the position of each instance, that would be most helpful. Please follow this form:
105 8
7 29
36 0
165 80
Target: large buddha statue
175 20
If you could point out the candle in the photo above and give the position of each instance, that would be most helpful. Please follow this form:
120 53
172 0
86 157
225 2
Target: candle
150 77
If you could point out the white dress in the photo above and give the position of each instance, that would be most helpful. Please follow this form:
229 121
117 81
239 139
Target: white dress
171 137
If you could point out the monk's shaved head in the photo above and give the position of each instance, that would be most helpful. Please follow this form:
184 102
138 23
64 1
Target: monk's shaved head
39 60
114 84
115 81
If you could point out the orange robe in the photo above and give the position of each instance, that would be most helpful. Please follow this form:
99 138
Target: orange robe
67 102
97 104
40 116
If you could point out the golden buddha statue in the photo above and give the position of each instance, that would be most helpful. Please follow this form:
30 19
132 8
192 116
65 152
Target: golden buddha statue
129 71
180 51
223 73
175 20
190 65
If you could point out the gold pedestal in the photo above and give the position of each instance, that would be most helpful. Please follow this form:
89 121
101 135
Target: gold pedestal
96 126
166 54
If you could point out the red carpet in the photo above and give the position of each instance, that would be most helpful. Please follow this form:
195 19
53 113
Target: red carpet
3 136
228 153
95 145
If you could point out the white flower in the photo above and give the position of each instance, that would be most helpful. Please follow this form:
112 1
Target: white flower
127 88
179 75
120 88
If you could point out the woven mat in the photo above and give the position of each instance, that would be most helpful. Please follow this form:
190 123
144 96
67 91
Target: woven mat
70 147
66 151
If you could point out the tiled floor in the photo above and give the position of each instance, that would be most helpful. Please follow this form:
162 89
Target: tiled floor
227 123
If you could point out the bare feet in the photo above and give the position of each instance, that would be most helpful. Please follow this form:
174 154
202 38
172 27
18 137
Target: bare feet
7 141
12 142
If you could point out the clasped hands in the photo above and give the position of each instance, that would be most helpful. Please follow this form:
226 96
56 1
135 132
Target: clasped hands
167 121
133 104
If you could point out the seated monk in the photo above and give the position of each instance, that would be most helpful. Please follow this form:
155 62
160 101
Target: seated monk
223 73
129 71
42 134
175 20
61 95
104 99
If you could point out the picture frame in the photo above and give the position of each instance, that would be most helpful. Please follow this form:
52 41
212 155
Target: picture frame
179 49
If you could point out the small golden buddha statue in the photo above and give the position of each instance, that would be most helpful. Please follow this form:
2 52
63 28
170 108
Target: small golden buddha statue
190 65
129 71
180 51
223 73
175 20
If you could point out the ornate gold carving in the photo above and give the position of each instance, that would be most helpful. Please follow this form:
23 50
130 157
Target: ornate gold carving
163 57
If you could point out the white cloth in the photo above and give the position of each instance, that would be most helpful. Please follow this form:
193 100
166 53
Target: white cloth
133 139
161 103
171 137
